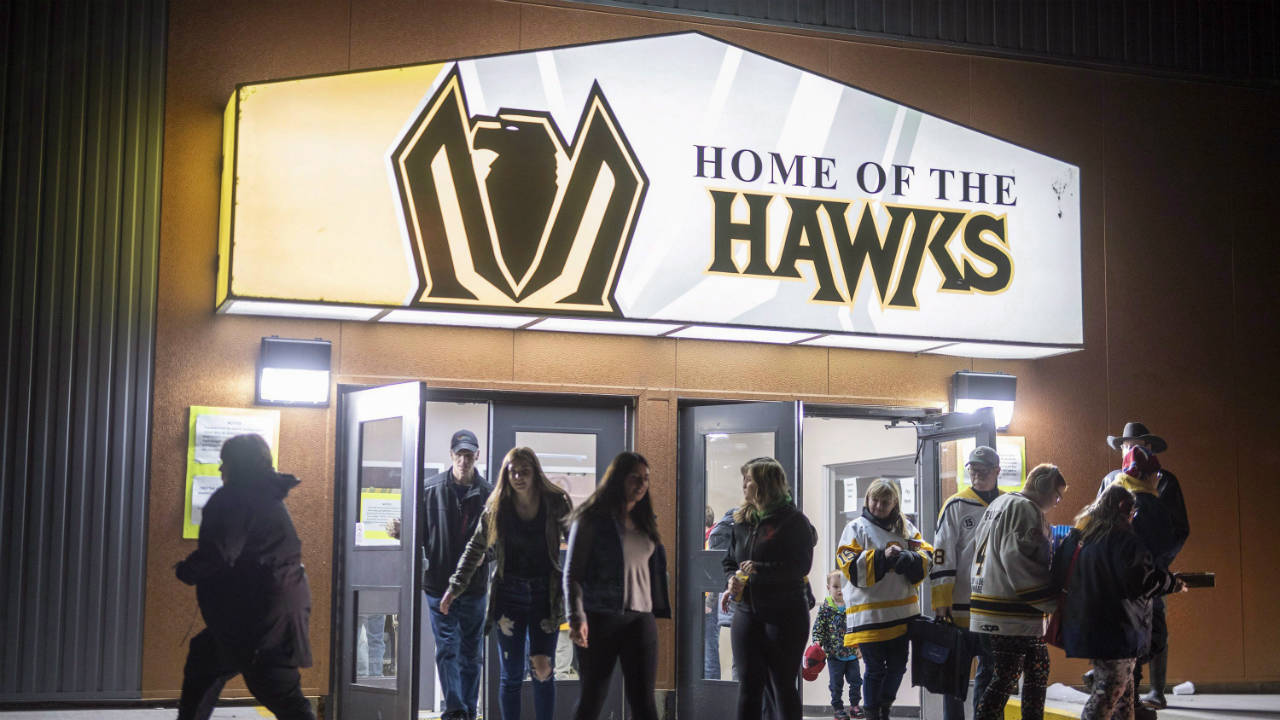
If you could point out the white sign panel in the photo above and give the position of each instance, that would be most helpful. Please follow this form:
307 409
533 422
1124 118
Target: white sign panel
678 180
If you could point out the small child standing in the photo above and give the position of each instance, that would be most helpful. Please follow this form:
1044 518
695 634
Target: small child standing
842 662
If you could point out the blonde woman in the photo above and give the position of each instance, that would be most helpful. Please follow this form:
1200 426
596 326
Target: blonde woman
883 559
524 520
772 546
1012 592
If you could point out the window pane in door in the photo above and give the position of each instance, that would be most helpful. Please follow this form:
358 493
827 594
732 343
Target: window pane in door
568 459
381 468
726 453
377 632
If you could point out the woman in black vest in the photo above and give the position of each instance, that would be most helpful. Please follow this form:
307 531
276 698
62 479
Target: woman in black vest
615 584
772 548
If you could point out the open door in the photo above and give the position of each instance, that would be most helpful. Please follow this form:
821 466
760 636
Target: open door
575 441
942 441
376 599
714 442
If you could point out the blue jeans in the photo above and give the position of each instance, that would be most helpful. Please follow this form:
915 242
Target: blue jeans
886 663
520 608
375 630
953 708
838 673
710 645
458 650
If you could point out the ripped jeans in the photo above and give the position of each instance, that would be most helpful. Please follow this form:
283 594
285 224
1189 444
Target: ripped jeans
520 607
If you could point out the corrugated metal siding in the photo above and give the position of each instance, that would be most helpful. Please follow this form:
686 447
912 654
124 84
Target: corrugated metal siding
81 108
1232 40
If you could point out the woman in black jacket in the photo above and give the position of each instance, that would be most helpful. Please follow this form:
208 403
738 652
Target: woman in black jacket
1107 615
522 524
252 590
766 569
615 584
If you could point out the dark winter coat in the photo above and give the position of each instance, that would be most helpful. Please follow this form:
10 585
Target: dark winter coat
447 518
1167 526
594 567
1109 595
781 548
247 569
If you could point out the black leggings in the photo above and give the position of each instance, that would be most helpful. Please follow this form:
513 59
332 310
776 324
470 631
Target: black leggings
630 638
768 649
278 687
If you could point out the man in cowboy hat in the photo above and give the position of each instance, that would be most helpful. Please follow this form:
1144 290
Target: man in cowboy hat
1172 538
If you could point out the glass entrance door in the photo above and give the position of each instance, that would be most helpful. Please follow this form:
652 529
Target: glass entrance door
942 441
714 442
574 443
377 602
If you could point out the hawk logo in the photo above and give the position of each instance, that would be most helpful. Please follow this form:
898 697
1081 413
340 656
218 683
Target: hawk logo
501 212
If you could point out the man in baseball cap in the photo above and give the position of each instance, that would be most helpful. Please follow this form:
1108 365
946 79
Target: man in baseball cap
953 558
1163 527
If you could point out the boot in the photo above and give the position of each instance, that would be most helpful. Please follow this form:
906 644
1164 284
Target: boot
1159 669
886 711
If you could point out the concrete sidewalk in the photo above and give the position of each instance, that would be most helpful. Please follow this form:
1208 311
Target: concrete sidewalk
1181 707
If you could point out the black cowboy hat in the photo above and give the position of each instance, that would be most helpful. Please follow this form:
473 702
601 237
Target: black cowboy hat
1138 431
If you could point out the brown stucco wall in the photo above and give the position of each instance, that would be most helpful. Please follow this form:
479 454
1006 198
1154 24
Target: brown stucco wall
1179 258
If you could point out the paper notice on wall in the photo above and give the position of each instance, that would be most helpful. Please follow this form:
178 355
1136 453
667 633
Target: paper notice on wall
212 430
1012 450
851 495
377 508
202 488
907 487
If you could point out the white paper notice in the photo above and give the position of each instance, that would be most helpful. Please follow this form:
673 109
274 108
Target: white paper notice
376 509
851 495
202 488
213 430
907 486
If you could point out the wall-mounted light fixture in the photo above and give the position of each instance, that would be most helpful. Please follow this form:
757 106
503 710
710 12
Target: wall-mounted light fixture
973 390
293 372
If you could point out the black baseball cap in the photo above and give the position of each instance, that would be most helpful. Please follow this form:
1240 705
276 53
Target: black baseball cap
464 440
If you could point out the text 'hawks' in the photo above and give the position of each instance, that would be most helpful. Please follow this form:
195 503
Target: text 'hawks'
897 252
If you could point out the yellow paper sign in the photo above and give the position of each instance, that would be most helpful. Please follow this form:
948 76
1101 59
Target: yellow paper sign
207 429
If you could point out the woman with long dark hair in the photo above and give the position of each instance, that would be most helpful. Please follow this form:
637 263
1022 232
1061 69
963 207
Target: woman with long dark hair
766 568
615 582
523 521
1108 610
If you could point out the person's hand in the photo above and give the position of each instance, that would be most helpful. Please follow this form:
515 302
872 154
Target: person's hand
943 613
892 552
578 632
748 567
724 601
735 585
393 528
446 601
1180 586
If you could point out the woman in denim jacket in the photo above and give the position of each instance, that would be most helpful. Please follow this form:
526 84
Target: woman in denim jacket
523 521
615 582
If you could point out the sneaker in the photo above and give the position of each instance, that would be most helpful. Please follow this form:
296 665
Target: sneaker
857 713
1154 701
840 714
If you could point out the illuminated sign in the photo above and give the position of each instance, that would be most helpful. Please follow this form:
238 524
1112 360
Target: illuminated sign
673 185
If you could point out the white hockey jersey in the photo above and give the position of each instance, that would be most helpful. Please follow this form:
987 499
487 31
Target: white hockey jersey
880 600
953 553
